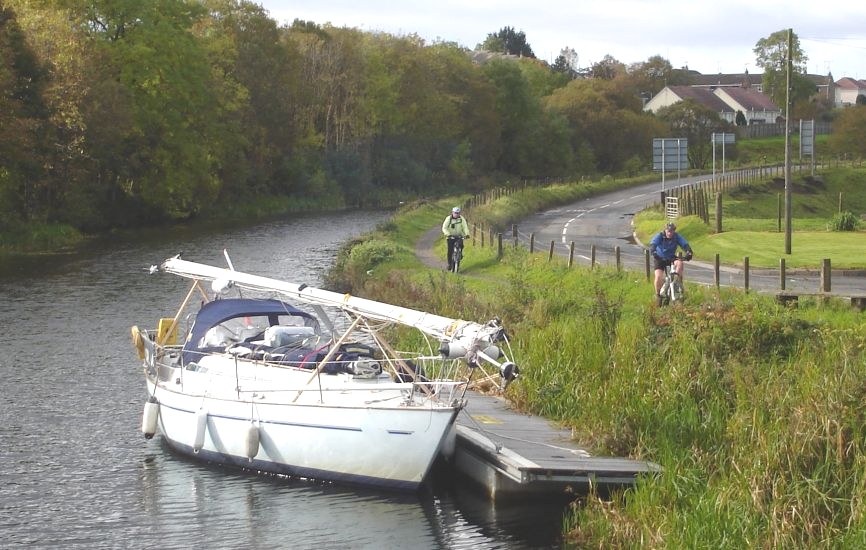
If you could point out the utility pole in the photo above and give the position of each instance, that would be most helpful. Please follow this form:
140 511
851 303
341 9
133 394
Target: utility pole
788 144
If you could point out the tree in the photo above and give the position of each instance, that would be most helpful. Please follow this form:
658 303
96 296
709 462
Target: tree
649 77
566 63
522 116
509 41
848 131
772 56
606 122
696 122
607 69
167 152
24 147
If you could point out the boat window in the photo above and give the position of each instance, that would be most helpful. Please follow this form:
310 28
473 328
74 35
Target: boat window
218 336
279 335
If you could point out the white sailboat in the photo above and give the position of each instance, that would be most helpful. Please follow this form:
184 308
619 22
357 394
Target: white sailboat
271 385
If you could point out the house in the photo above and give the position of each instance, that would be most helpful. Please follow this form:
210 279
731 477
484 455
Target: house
847 90
744 92
724 100
825 87
670 95
755 106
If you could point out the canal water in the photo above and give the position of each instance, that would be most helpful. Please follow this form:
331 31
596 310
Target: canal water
75 472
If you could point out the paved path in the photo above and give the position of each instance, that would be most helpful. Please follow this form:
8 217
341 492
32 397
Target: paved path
606 222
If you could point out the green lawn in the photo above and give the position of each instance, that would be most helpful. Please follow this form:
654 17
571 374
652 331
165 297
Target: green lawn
751 223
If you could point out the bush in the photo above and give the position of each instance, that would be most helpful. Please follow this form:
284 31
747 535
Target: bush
843 221
369 254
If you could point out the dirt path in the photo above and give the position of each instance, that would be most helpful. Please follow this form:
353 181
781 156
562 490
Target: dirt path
424 249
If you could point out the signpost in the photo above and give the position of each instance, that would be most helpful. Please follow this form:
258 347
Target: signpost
724 139
670 154
807 142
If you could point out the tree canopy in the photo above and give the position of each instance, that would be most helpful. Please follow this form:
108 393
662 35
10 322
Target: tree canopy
771 54
117 113
509 41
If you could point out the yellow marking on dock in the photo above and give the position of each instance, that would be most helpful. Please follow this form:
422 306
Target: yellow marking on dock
484 419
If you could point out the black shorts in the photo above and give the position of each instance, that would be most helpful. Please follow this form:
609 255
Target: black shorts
659 263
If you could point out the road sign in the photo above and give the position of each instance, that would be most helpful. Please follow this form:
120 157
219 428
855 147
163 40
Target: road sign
723 138
670 154
807 138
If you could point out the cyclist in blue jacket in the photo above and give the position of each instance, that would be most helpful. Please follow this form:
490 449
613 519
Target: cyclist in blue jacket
663 248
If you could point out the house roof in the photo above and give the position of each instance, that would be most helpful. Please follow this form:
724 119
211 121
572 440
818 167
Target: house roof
726 80
751 100
702 96
848 83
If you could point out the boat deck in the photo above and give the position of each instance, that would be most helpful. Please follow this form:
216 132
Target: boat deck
512 453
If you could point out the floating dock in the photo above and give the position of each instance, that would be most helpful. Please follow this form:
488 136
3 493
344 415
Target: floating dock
511 454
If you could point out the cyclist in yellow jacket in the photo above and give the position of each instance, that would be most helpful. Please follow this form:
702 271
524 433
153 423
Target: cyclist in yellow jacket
455 228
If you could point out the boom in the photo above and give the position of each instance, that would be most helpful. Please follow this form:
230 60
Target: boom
459 338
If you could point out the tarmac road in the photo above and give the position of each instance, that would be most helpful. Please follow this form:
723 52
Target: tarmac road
606 222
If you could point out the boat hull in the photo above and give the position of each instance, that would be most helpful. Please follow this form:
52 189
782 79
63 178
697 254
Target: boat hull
390 447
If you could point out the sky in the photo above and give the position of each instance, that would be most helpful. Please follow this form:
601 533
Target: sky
709 37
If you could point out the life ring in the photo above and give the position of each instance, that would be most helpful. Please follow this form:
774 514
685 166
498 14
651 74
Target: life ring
137 341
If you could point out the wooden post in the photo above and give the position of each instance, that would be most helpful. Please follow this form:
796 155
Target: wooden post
717 279
646 257
571 254
825 275
514 234
718 212
550 255
616 253
779 215
746 273
592 257
499 252
531 243
782 275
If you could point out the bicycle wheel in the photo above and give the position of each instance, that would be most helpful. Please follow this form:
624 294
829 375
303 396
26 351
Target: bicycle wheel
677 293
458 255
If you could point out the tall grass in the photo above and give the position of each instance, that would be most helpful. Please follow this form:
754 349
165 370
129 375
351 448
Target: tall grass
753 410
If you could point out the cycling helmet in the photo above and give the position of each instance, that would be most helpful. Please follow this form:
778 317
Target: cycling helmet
671 225
456 210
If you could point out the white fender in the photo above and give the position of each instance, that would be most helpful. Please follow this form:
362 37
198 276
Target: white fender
200 429
150 417
252 441
449 443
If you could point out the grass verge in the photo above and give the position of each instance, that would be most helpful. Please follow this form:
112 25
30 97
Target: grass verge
753 410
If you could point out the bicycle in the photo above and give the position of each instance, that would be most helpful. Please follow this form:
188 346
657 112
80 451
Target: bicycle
672 290
456 253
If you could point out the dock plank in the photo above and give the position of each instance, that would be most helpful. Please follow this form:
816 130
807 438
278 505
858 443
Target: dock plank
510 452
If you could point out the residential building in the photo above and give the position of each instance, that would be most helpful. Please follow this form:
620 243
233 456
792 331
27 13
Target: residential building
724 100
847 90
